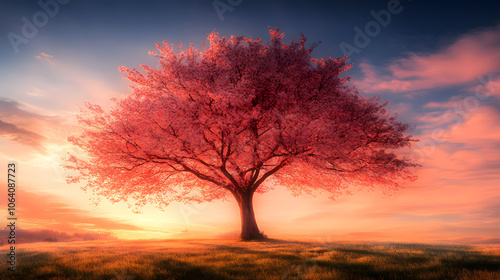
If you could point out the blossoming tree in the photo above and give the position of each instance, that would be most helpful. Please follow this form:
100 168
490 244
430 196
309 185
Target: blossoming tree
222 121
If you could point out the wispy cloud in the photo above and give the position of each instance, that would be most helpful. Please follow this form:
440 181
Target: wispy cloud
40 235
14 112
41 210
20 125
22 136
469 57
46 57
465 148
35 92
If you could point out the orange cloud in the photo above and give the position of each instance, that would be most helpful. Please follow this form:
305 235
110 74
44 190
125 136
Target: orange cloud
47 57
38 210
32 129
483 126
40 235
468 58
456 197
467 148
21 135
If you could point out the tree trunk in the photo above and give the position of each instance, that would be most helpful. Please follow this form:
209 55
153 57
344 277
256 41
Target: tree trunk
249 228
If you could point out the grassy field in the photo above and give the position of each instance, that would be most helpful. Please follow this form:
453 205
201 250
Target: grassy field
231 259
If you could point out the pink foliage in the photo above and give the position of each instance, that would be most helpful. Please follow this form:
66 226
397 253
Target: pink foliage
222 120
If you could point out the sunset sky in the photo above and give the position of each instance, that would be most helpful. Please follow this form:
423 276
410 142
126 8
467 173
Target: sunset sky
438 62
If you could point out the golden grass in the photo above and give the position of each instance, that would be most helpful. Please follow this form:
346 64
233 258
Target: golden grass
271 259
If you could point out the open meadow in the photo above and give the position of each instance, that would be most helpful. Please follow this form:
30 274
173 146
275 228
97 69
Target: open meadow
270 259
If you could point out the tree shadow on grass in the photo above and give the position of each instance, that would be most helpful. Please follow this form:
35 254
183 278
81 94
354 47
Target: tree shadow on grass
374 262
436 262
474 263
167 269
33 265
279 241
285 255
277 259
